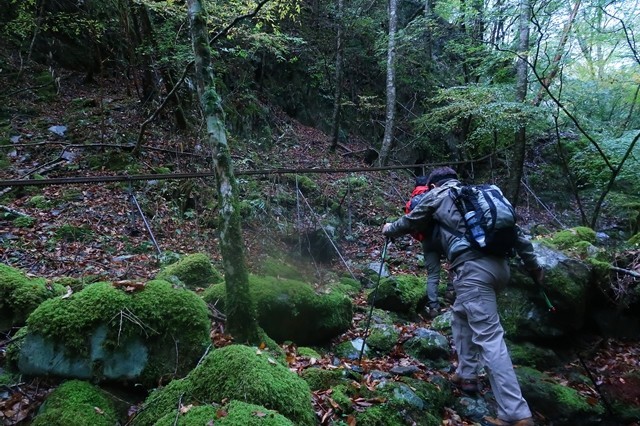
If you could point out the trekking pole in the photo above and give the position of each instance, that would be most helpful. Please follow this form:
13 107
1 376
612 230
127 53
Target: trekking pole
373 299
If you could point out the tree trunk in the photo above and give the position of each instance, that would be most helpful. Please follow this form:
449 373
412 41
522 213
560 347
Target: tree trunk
240 309
337 99
520 142
555 62
391 84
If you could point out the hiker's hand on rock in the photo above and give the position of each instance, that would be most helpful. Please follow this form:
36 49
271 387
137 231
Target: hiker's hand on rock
385 228
538 275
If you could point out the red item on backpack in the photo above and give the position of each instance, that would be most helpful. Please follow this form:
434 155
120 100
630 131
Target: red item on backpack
416 196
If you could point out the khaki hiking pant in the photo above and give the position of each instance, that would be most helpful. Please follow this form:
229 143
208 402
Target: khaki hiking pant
479 336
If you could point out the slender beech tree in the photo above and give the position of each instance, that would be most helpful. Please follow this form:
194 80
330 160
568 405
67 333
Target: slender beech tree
391 84
557 58
522 67
337 98
240 309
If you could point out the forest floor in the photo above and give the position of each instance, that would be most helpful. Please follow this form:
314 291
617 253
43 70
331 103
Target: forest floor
95 229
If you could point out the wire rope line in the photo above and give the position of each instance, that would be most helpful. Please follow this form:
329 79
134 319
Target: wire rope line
542 204
164 176
134 200
315 216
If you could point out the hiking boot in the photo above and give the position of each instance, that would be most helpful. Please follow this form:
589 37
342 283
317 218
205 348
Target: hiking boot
492 421
465 385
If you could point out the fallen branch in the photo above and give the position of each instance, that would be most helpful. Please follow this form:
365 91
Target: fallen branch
626 271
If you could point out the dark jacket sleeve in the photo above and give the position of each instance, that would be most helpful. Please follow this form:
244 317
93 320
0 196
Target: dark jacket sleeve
418 220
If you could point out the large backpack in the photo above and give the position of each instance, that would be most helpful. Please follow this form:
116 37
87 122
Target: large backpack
418 193
489 217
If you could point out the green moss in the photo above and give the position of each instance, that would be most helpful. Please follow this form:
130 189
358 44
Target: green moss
72 233
7 378
562 403
383 338
401 293
20 295
308 353
292 310
379 416
12 354
529 355
39 201
321 379
76 403
194 270
242 373
341 395
163 401
23 222
634 241
572 291
349 286
277 267
569 238
157 315
233 414
513 305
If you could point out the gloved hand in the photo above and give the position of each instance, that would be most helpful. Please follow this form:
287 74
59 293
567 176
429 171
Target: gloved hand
538 275
385 228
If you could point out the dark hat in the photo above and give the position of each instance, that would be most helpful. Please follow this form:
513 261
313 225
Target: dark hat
441 174
421 181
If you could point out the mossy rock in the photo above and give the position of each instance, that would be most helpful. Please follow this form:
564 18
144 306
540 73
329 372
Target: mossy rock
569 238
76 403
233 414
194 270
104 332
321 379
234 373
402 294
559 404
292 310
20 295
163 401
529 355
428 345
383 338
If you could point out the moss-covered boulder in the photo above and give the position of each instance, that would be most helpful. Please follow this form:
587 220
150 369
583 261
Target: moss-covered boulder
561 405
427 345
239 373
569 286
293 310
530 355
20 295
400 401
321 379
103 332
76 403
233 414
194 270
402 294
383 338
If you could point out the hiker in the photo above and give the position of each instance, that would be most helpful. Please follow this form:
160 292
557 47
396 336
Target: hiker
431 250
477 277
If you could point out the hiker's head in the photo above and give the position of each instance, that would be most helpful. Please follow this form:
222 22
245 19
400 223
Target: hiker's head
421 181
441 175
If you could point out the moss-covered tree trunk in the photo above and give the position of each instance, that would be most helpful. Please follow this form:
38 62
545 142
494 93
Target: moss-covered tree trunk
240 309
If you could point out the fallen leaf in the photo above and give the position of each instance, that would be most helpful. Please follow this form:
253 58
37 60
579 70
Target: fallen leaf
259 414
98 410
185 408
